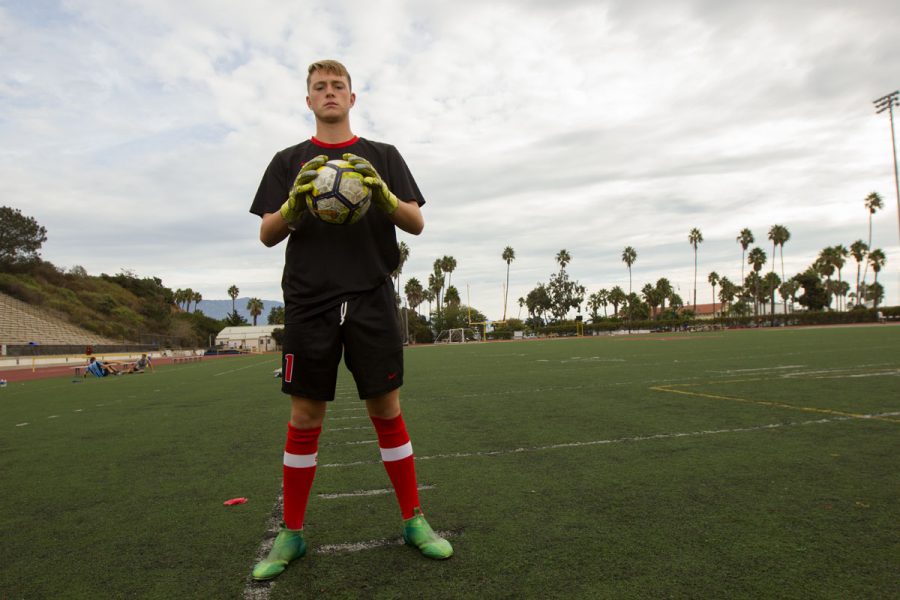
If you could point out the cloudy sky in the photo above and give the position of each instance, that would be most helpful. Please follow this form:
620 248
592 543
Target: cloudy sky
137 131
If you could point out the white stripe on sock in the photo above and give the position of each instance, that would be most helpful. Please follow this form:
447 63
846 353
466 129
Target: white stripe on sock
398 453
300 461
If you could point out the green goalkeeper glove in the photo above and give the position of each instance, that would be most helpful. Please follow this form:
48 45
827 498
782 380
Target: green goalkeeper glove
294 207
381 195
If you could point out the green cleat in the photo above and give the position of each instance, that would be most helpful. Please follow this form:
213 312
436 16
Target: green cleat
418 533
289 545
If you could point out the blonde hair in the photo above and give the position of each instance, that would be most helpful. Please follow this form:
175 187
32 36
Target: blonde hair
329 66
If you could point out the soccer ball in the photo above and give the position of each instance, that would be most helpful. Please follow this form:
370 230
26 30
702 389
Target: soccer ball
338 195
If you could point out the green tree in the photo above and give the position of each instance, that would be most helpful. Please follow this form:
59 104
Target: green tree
651 298
877 259
788 291
617 297
603 299
198 298
727 292
770 284
695 238
664 291
713 280
873 203
824 265
21 238
255 306
538 303
415 295
564 293
508 256
403 251
276 317
858 250
452 296
448 265
814 295
779 235
756 258
233 291
745 238
839 256
235 319
629 255
436 286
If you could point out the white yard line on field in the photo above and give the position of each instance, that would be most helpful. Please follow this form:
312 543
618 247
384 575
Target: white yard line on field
624 440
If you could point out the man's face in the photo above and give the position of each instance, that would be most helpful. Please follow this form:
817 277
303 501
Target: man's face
329 97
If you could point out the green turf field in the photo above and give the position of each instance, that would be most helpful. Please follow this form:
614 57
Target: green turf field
740 464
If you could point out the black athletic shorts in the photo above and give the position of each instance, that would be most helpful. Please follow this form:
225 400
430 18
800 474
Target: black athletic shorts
366 328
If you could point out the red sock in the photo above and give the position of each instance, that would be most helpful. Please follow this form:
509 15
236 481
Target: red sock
299 470
397 454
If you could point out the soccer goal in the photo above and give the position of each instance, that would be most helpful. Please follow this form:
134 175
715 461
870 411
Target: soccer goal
456 336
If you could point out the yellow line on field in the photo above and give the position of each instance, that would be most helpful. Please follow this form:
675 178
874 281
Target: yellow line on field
826 411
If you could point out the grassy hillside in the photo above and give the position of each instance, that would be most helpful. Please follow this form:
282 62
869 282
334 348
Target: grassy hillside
122 306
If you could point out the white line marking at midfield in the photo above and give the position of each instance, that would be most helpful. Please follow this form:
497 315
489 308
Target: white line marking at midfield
242 368
369 544
361 493
637 438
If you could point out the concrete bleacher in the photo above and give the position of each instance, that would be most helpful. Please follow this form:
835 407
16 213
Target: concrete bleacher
21 323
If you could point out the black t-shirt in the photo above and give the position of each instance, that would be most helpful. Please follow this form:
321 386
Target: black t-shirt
326 264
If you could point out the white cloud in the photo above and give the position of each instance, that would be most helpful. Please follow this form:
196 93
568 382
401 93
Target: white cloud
137 132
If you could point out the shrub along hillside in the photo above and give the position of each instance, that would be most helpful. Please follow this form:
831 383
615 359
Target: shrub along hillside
124 306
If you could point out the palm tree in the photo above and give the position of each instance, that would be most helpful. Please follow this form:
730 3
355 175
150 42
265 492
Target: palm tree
695 238
664 290
233 291
788 290
436 285
877 260
726 292
403 251
770 284
744 239
414 293
757 258
629 255
873 204
858 250
448 265
255 306
616 297
779 234
713 281
521 303
824 266
563 258
508 256
428 296
603 299
197 297
839 259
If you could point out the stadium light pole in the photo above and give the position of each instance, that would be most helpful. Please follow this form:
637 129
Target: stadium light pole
887 103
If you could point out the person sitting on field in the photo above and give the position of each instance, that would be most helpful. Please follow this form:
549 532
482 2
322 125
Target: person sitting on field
99 369
142 364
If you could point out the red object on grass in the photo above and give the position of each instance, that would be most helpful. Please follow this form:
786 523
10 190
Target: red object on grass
234 501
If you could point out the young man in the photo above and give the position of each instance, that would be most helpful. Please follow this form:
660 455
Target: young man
339 298
99 369
142 364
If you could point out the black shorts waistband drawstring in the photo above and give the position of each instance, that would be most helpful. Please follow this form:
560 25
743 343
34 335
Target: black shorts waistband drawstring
343 313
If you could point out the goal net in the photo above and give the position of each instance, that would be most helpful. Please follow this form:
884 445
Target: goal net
456 336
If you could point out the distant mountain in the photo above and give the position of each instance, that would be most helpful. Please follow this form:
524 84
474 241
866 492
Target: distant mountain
219 309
